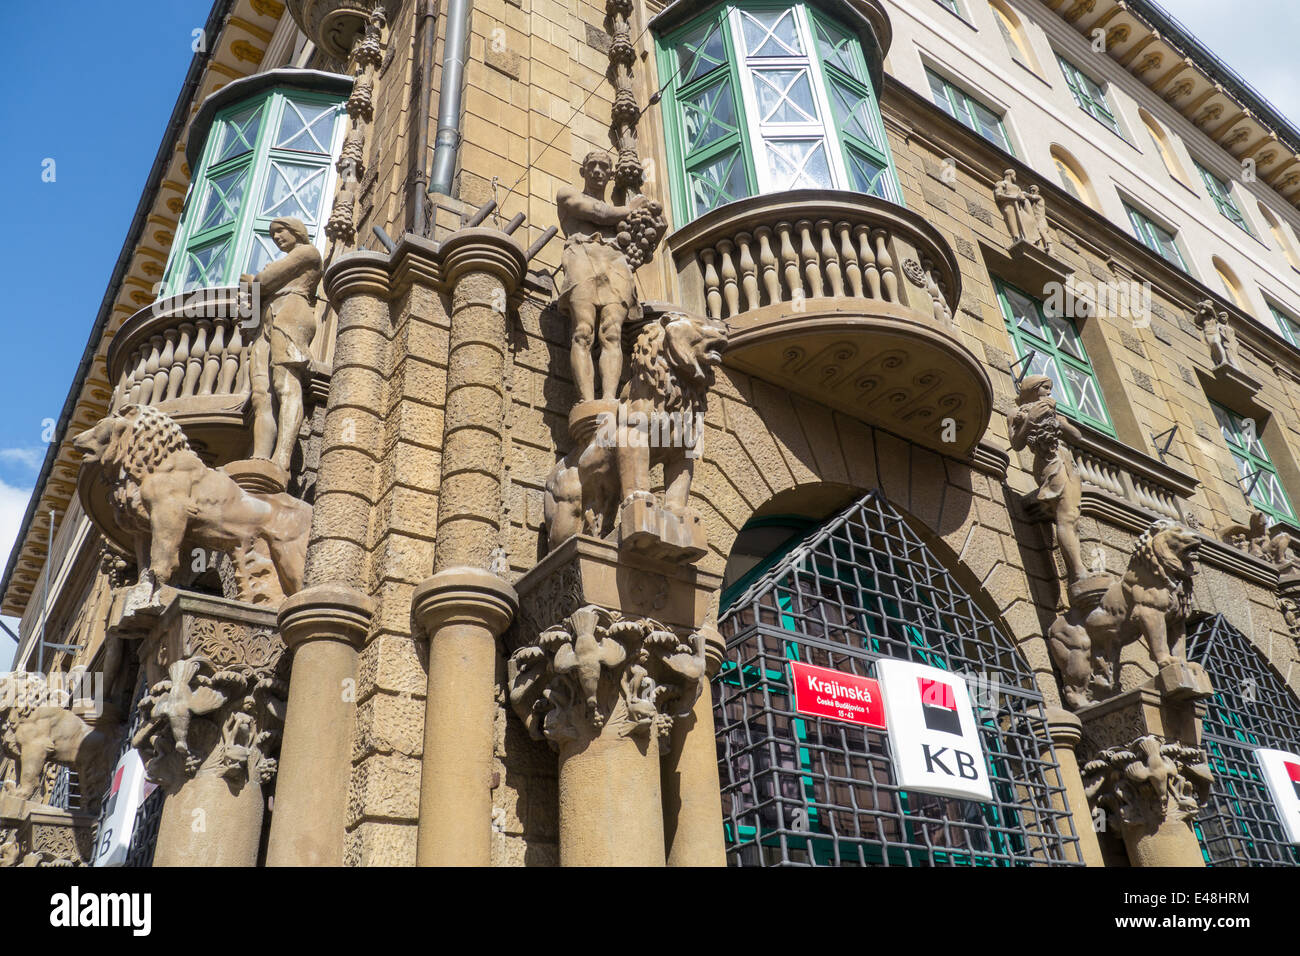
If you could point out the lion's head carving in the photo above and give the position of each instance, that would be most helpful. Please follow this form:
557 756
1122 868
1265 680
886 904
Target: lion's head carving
674 359
1162 556
134 441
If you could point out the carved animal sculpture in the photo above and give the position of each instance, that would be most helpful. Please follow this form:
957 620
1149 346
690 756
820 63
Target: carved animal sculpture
1150 601
164 495
673 364
34 732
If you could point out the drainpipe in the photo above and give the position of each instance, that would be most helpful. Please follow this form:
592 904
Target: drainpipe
420 178
447 141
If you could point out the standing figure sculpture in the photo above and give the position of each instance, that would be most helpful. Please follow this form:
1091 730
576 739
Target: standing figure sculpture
282 349
1017 209
598 291
1219 335
1037 425
1038 211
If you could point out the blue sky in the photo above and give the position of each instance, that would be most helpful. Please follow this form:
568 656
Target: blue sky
92 90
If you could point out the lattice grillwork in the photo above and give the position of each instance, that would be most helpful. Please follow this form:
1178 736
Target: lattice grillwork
145 833
809 791
1252 708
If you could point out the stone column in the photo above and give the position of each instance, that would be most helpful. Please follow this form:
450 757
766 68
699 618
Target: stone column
1066 731
465 606
691 785
326 622
606 691
323 627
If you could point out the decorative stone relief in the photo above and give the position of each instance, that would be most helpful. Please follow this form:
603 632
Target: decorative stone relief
39 731
1256 539
281 353
1149 782
1024 211
658 421
367 55
599 674
1149 603
165 497
1219 335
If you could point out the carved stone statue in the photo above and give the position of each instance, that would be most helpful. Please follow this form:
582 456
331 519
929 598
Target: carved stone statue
1150 602
1219 335
1149 782
1019 211
1037 426
673 364
1038 209
1257 540
37 730
599 674
279 356
165 496
598 292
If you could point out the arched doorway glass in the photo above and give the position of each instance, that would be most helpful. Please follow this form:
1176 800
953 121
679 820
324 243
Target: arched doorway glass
1252 708
810 791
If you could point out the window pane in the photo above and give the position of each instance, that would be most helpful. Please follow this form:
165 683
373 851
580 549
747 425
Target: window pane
798 164
294 190
263 251
206 267
989 124
854 113
308 127
771 33
240 133
784 96
839 49
719 181
1084 393
940 91
225 195
709 115
1067 180
1268 492
1024 313
1063 335
868 176
700 51
1044 364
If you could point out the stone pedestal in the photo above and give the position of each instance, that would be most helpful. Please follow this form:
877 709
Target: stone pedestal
258 475
32 834
586 417
210 724
323 627
608 665
646 527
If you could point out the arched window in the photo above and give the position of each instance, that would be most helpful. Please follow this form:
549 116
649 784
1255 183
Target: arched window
1280 236
1164 146
1252 708
811 790
761 98
1231 284
1013 34
260 149
1072 176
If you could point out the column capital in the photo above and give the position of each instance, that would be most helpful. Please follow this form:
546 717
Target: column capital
464 596
326 612
480 249
357 273
1149 782
1065 728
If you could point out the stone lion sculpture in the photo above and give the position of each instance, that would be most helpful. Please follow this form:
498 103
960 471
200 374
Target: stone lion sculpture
36 728
1151 601
672 369
164 495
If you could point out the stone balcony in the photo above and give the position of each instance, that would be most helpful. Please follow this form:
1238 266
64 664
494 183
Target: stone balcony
844 299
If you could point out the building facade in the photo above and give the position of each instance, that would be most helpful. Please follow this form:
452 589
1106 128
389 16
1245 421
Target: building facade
494 401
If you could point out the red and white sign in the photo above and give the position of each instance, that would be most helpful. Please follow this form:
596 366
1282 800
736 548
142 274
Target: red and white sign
822 692
932 731
1282 771
117 820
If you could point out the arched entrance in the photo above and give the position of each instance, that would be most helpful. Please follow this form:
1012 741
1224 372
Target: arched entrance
812 791
1252 708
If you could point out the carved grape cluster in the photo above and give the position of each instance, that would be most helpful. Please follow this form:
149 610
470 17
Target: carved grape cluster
640 231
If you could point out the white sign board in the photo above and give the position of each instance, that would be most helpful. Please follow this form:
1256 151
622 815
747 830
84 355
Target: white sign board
117 820
1282 771
932 731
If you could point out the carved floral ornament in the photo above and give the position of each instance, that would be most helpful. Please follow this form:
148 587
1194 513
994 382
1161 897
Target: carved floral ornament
597 673
1149 782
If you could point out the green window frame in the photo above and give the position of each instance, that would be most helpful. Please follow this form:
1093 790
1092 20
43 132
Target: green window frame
764 97
1257 476
1287 324
951 5
969 111
1049 344
1221 193
277 147
1089 95
1155 237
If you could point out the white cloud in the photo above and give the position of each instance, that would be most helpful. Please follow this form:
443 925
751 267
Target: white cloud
29 458
13 505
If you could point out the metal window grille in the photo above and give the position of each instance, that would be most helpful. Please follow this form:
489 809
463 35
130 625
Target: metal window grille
1252 708
807 791
144 835
66 791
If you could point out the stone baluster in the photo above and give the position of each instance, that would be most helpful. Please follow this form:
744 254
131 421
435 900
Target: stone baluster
162 378
886 264
180 360
748 270
212 360
789 263
868 257
811 262
150 370
730 288
230 360
712 284
852 268
768 262
831 259
196 333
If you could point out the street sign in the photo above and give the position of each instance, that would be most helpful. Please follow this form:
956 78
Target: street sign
823 692
932 731
1282 771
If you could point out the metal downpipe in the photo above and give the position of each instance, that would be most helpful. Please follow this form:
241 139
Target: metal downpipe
447 140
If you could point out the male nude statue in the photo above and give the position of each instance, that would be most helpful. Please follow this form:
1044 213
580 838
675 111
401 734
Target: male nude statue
598 292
